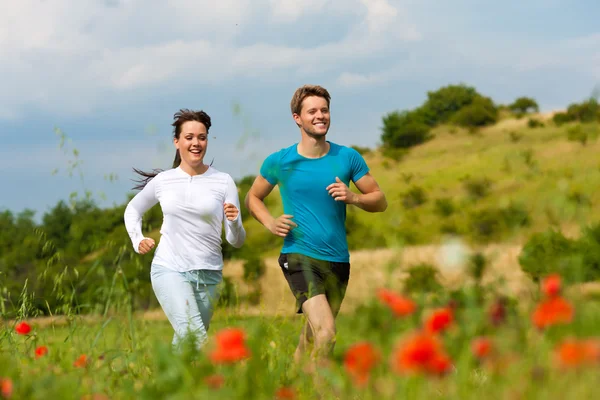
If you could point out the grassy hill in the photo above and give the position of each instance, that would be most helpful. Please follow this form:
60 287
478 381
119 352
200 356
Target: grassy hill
499 184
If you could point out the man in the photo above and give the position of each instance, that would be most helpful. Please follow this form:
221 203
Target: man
313 177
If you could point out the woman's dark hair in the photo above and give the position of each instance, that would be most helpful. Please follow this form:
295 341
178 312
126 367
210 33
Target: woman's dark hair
182 116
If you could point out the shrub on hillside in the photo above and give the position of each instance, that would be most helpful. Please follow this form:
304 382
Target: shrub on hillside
534 123
523 105
404 130
492 223
422 278
414 197
587 111
443 103
254 268
551 252
477 188
481 112
444 207
561 118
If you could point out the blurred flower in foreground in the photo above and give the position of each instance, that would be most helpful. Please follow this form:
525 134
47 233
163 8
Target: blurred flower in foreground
399 304
360 358
551 285
285 393
41 351
421 352
552 311
23 328
439 320
497 311
214 381
81 361
6 387
231 346
481 347
573 352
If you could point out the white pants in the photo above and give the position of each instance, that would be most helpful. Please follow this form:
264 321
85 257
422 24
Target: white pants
187 301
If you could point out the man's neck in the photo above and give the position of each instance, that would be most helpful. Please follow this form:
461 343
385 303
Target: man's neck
313 147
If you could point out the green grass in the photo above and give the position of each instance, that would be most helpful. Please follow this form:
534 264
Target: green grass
133 359
552 178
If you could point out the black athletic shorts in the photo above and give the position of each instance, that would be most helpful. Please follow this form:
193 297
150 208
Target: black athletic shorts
308 277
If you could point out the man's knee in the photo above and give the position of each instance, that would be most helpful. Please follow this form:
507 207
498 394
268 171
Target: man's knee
325 335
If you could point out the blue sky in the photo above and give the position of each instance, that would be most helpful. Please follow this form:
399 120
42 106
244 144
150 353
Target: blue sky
111 74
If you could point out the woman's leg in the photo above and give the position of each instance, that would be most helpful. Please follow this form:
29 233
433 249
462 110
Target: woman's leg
178 298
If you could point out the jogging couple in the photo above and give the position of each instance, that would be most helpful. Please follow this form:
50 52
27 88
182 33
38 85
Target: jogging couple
197 201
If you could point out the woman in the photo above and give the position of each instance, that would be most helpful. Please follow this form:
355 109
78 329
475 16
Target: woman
196 200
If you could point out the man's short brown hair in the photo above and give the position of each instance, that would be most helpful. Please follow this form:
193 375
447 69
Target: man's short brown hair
306 91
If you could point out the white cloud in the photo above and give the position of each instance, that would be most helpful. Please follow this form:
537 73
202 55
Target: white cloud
285 11
67 57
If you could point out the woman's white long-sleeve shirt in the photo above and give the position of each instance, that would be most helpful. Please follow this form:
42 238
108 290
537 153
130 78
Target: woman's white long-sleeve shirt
193 218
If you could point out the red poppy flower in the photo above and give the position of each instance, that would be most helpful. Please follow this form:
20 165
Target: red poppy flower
41 351
81 361
6 388
439 320
359 360
481 347
577 352
23 328
551 285
231 347
214 381
552 311
421 353
399 304
285 393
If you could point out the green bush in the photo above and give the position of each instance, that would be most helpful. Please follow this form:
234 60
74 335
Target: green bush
414 197
561 118
443 103
254 268
422 278
523 105
404 130
481 112
534 123
228 294
577 134
477 188
444 207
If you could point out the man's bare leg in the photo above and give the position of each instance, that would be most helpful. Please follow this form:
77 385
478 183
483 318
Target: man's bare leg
319 330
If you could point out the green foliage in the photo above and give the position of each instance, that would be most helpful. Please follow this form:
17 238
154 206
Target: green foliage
477 266
577 260
491 223
480 112
443 103
587 111
477 188
524 105
577 134
254 268
444 207
404 130
534 123
422 278
414 197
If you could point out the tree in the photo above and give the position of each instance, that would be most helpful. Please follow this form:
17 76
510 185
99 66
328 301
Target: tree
443 103
404 129
480 112
524 105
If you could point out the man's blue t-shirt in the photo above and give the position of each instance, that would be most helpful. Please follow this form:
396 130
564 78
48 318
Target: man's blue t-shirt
321 230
